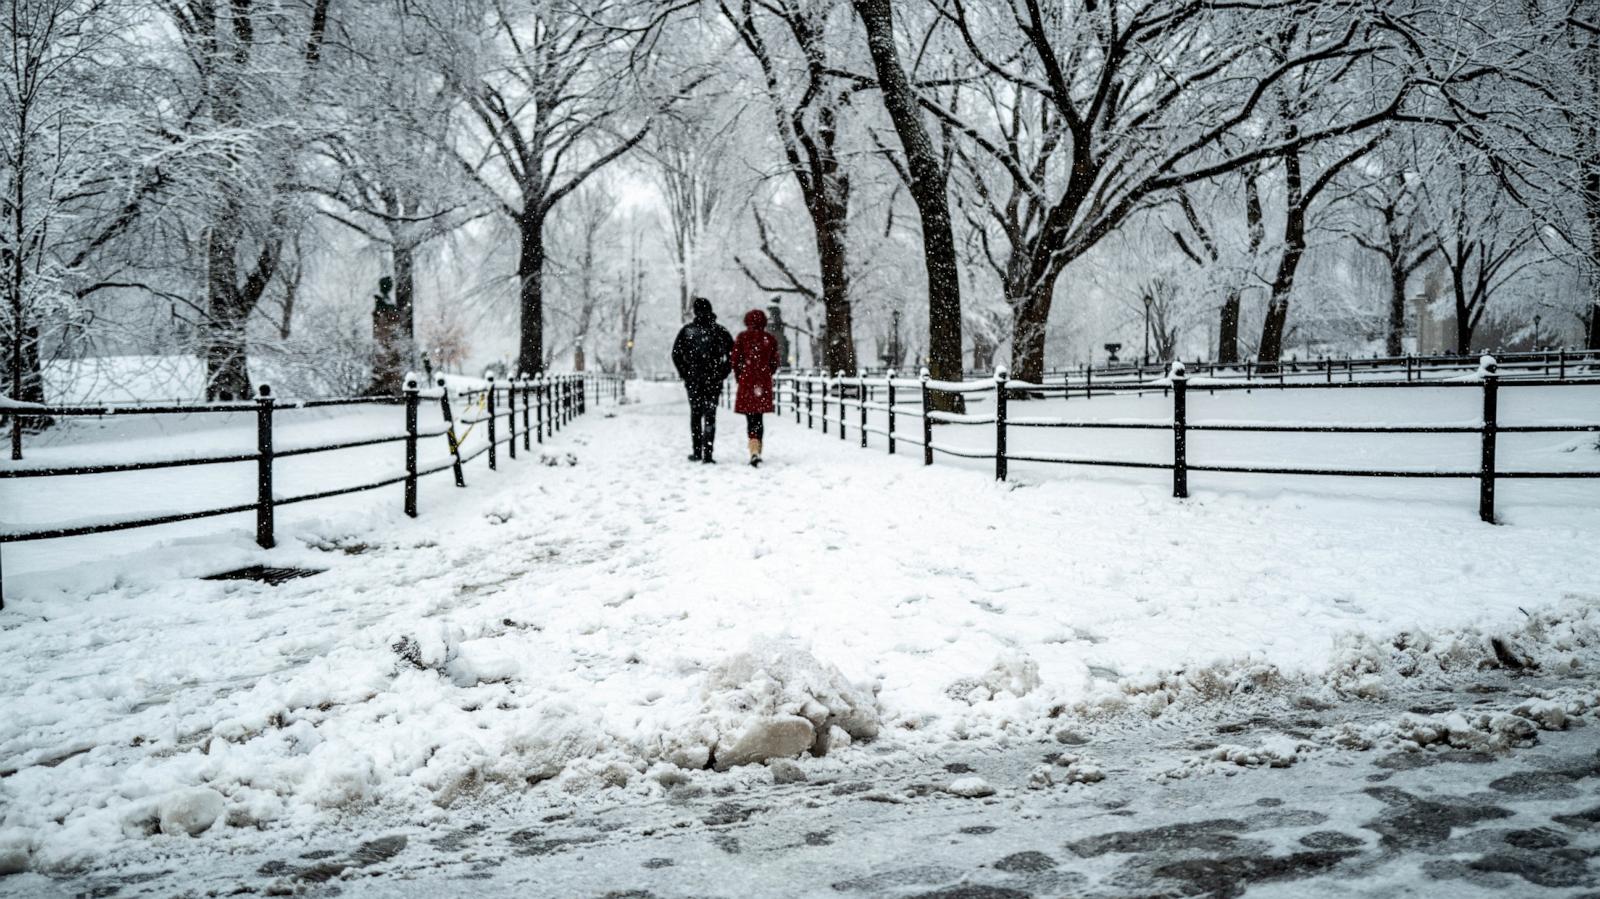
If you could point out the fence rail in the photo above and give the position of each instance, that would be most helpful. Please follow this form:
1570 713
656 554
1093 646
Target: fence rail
545 404
809 397
1560 363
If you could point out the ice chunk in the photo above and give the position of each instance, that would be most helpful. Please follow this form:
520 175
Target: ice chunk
766 738
190 811
15 847
973 787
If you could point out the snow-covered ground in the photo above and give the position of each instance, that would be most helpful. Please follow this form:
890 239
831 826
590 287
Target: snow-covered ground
614 624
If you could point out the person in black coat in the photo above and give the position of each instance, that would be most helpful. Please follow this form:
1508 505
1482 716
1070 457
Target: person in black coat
701 355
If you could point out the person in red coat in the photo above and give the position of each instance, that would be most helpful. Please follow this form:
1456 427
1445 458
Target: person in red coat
755 360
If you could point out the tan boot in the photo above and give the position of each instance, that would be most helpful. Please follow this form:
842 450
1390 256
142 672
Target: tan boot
755 452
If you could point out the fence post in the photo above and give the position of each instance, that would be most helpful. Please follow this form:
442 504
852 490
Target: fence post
839 379
493 460
1180 435
538 407
890 382
824 379
927 423
1561 372
264 403
450 433
1000 423
527 415
511 417
411 444
1088 380
1488 370
861 396
810 400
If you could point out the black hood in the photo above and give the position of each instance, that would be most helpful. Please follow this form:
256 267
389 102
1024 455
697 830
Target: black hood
703 312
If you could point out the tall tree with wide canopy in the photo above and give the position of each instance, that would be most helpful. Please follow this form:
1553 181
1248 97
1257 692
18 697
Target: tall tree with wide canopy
550 95
927 180
794 44
1108 108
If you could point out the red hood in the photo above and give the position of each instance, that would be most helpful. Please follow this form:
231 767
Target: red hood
755 320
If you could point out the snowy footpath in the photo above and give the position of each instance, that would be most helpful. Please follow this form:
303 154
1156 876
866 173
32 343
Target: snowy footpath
621 636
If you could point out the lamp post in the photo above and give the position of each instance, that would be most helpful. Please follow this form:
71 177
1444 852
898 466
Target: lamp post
1145 359
894 340
1536 319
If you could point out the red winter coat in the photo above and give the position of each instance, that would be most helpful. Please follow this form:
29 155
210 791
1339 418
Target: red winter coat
755 359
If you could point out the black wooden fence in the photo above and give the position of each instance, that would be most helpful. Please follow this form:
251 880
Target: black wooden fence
810 397
544 403
1561 363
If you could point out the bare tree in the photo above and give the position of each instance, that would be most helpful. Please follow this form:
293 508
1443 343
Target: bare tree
1204 247
927 179
807 107
1107 109
249 63
71 185
1481 235
1401 239
690 153
547 106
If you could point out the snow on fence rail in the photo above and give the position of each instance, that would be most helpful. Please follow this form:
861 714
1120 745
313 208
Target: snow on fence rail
804 394
546 403
1533 363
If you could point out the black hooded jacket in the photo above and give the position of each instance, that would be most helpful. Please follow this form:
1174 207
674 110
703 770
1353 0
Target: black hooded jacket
701 352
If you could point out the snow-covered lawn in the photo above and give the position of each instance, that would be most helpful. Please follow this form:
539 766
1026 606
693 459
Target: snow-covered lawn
607 624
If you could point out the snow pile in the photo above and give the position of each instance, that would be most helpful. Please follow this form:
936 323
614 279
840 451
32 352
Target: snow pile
1068 768
772 701
1156 692
1370 668
1273 752
1471 729
1014 675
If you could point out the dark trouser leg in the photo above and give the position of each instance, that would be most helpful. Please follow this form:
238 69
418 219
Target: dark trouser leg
754 426
696 412
703 421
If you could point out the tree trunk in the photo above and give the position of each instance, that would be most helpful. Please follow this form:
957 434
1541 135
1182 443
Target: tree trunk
1591 206
927 186
839 345
405 291
1393 342
1028 333
227 368
1593 342
983 350
1294 246
530 306
1228 330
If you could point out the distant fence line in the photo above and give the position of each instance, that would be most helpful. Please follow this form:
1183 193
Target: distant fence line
546 403
808 398
1558 363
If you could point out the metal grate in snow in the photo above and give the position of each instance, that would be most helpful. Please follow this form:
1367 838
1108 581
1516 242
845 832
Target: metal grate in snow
262 573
